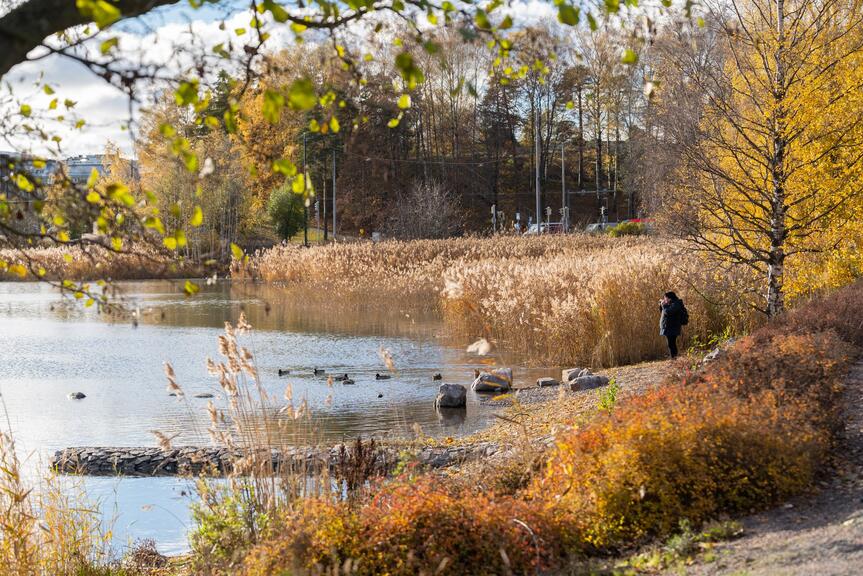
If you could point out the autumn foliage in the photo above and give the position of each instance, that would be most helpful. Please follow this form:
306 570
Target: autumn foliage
753 428
413 526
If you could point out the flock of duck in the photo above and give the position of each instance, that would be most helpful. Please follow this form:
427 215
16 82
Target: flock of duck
344 378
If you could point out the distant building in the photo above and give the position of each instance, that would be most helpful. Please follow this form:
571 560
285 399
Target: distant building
40 174
79 168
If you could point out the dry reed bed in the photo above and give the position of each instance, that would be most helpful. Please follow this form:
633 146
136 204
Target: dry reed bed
91 262
578 299
594 307
412 266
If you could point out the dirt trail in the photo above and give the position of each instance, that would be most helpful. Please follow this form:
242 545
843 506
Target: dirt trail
820 535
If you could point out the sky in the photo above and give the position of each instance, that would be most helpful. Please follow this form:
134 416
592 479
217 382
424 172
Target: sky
165 37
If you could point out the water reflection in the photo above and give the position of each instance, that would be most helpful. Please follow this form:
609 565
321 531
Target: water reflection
49 348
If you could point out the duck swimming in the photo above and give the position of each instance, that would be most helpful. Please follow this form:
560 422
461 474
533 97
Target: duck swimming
319 371
342 378
382 376
347 381
437 376
284 372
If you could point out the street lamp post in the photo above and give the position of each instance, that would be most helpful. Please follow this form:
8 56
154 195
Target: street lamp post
536 161
305 197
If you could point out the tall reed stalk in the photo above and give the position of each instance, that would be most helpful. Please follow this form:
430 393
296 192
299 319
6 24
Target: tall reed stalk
46 530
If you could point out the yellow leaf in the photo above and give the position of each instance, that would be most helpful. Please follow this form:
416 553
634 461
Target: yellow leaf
197 217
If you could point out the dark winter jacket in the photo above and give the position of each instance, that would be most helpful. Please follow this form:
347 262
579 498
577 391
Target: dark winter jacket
671 320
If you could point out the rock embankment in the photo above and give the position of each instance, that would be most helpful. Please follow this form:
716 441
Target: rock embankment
214 461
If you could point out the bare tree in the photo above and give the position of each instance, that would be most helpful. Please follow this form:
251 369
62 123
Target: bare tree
426 210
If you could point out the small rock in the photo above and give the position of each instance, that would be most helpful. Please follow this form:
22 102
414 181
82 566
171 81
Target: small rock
588 382
203 395
451 396
77 396
543 382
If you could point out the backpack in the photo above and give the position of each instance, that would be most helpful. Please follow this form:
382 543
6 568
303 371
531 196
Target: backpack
684 315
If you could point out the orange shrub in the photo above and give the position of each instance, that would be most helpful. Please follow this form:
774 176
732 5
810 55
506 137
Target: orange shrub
809 366
319 533
412 527
419 527
838 311
680 452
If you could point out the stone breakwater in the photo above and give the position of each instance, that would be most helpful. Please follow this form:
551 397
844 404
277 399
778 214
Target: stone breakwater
191 460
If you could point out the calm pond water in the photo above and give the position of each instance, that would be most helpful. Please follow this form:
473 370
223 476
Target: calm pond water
50 346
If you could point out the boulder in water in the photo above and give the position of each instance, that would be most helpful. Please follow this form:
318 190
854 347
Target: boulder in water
498 380
451 396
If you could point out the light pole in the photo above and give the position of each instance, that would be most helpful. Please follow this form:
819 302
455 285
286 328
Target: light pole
536 161
334 193
564 223
305 197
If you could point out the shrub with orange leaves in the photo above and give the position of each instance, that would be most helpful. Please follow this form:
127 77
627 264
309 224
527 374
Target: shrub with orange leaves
318 533
689 452
413 527
837 311
807 366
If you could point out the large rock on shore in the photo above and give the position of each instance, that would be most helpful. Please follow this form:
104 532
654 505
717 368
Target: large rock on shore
571 374
499 380
451 396
588 382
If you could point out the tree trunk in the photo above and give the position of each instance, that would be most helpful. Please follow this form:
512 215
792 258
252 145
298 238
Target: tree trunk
776 258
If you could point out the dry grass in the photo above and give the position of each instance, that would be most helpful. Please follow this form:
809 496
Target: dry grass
45 530
78 263
543 412
395 266
578 299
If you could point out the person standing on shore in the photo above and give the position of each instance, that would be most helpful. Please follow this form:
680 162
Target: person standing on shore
672 319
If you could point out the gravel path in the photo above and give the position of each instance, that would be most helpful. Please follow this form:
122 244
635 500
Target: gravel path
820 535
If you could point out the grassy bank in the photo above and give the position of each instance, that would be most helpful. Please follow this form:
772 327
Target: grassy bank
576 299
